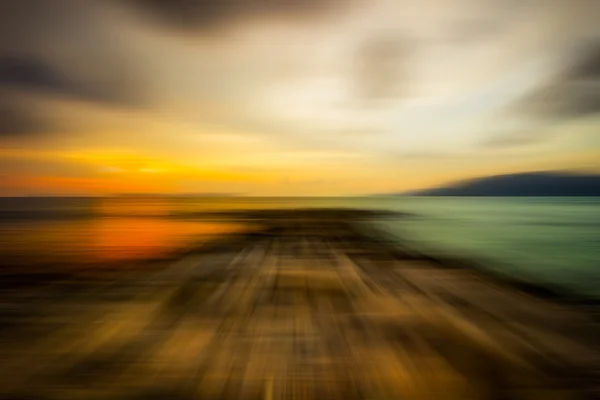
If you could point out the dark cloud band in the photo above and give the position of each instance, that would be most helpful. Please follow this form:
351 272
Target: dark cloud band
574 93
18 120
28 73
204 15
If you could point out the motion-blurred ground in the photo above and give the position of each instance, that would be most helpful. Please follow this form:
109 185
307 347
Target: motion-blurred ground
308 306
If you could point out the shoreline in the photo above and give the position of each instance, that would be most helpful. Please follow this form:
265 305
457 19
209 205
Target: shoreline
546 291
21 274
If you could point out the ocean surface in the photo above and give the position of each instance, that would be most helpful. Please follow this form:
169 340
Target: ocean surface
551 241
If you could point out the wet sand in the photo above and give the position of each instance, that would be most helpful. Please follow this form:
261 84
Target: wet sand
310 305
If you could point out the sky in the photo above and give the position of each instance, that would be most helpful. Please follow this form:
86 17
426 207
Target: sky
290 97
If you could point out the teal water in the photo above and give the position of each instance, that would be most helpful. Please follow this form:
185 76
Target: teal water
553 241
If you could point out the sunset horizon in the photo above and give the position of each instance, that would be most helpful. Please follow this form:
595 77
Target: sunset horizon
323 99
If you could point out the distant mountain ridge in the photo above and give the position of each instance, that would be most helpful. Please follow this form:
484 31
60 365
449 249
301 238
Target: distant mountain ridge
551 183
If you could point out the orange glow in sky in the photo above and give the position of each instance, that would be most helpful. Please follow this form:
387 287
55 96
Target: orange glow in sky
352 99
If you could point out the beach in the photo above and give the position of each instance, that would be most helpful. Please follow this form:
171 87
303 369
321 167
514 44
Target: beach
305 304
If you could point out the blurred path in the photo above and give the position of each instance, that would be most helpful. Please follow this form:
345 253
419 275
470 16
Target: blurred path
311 307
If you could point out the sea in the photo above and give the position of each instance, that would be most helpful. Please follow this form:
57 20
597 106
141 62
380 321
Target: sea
550 241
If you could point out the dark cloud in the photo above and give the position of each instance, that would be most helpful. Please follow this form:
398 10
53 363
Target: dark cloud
16 120
565 99
63 49
66 48
589 65
31 74
574 93
38 24
203 15
381 68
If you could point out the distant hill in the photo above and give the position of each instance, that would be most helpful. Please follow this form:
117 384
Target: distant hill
522 184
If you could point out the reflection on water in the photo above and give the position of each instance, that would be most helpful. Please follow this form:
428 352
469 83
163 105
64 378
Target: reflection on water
156 207
101 239
96 230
